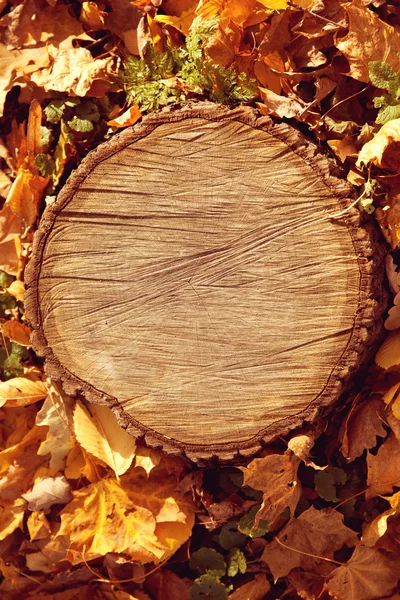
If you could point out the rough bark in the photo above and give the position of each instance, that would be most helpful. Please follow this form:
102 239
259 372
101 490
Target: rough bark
191 276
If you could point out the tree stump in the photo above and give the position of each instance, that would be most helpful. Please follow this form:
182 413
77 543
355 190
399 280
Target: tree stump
191 276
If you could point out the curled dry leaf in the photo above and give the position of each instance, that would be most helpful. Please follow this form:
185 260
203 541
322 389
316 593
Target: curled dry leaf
276 476
361 427
17 290
314 536
369 575
388 355
378 527
384 149
368 39
301 445
100 434
129 117
56 414
48 491
147 458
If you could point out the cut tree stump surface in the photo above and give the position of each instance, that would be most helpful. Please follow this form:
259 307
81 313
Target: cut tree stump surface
190 276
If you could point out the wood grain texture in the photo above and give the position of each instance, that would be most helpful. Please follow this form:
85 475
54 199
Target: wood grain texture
190 276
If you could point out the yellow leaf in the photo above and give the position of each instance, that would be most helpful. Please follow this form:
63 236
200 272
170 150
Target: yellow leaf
20 391
92 16
101 435
17 290
25 195
11 517
38 526
18 332
146 519
388 354
383 149
147 458
274 4
182 22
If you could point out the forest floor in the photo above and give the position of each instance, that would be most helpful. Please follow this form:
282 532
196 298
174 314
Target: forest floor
316 515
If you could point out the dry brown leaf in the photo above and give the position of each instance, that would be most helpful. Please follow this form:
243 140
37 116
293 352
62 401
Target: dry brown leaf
26 194
369 575
280 106
166 585
9 257
74 71
5 184
20 391
17 332
343 148
363 424
100 434
384 148
147 458
17 290
276 476
38 526
181 22
368 39
313 536
384 468
92 16
253 590
129 117
301 445
222 46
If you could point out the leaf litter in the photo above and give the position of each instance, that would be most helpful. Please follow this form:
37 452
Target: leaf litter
85 510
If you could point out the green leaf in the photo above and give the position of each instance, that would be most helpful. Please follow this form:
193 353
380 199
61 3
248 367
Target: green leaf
208 587
236 562
88 111
45 165
5 279
326 482
231 537
389 112
246 524
80 125
11 360
54 111
208 561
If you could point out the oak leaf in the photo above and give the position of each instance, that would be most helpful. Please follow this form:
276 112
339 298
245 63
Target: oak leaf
276 476
369 575
48 491
369 39
253 590
20 391
100 434
384 468
309 542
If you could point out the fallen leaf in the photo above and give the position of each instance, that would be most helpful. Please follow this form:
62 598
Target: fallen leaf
276 476
48 491
384 148
369 575
92 16
223 45
368 39
301 445
17 290
20 391
10 225
388 355
26 194
73 70
5 184
378 527
100 434
280 106
181 22
11 517
17 331
314 536
253 590
343 148
384 468
56 414
112 516
166 585
38 526
147 458
129 117
363 424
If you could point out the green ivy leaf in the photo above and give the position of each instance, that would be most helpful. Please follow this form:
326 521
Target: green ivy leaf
208 561
246 524
54 111
231 537
11 358
236 562
208 587
326 482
